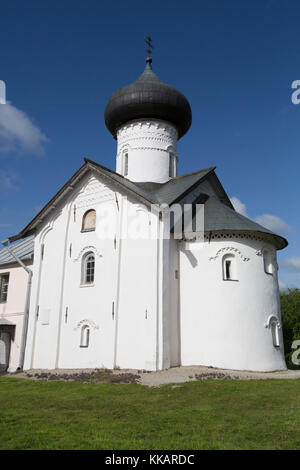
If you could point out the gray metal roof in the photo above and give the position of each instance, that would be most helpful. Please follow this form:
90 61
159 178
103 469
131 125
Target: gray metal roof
148 193
157 193
173 189
23 249
218 217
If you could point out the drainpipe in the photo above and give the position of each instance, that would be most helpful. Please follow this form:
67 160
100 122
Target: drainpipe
119 260
26 309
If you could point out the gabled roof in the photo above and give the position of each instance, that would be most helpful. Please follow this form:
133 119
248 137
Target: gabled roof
157 193
23 249
147 193
218 217
174 189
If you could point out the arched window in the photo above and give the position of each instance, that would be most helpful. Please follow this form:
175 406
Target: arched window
229 268
89 221
172 160
85 336
125 163
268 262
88 268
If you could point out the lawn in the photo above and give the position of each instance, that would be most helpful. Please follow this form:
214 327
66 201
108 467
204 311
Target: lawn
208 414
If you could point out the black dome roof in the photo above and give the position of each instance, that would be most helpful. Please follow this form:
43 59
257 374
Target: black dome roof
148 97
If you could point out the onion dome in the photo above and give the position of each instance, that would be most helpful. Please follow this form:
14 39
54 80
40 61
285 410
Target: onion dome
148 97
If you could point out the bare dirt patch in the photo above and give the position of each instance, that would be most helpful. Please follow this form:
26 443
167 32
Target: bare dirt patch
93 376
152 379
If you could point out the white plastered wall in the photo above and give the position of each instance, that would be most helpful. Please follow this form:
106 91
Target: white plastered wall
148 144
120 310
223 322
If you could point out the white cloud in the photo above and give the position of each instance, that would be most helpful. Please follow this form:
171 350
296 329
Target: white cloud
239 206
273 223
18 132
7 179
282 285
293 262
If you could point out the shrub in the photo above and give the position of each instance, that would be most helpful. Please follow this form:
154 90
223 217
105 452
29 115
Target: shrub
290 311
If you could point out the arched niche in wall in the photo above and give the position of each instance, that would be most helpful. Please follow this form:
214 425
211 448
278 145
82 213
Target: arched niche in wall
89 221
268 261
274 326
85 336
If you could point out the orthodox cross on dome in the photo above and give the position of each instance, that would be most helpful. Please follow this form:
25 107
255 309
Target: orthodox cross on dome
150 47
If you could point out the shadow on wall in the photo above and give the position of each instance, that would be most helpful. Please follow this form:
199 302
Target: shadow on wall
192 259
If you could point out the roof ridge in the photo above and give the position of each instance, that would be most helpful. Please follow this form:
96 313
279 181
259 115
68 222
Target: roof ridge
211 168
87 160
119 179
137 184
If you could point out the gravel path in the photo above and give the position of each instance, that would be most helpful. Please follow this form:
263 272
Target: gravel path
174 375
189 373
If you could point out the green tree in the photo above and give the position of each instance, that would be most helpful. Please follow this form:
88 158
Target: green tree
290 311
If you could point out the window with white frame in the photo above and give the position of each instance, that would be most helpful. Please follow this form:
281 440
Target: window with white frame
85 336
229 268
88 268
268 262
89 221
4 281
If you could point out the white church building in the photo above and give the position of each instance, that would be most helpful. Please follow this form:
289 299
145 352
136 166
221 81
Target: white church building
114 283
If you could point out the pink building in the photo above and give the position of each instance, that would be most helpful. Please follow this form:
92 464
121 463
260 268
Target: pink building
13 287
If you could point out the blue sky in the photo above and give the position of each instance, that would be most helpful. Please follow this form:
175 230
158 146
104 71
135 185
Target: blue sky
234 60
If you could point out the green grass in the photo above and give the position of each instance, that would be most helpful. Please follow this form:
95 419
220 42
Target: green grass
209 414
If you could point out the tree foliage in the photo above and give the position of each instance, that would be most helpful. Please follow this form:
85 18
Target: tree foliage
290 311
